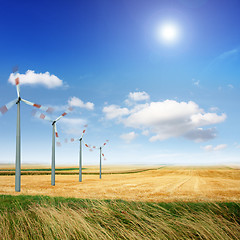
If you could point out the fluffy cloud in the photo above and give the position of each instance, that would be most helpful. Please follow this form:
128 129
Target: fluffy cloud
201 135
76 102
210 148
72 126
128 137
168 119
172 119
138 96
114 111
145 132
134 97
220 147
32 78
214 109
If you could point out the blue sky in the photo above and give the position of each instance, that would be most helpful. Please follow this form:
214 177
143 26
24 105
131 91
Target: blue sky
156 102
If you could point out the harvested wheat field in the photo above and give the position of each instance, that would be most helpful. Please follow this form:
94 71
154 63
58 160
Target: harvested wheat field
166 184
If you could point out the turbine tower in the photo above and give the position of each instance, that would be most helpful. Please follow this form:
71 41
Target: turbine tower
54 136
80 152
3 110
101 155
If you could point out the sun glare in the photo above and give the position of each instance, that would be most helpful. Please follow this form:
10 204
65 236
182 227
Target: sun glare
169 32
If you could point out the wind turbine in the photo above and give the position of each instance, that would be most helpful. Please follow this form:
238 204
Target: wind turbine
3 110
80 152
54 134
101 155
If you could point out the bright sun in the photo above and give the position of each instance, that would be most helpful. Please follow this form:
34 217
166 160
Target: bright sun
169 32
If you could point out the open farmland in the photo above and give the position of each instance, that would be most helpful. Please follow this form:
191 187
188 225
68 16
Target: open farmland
165 184
73 170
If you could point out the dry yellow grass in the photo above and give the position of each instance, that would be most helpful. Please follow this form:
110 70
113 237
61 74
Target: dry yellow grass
162 185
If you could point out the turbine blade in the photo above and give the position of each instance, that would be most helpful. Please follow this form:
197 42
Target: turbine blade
17 86
64 114
83 133
41 116
88 146
84 130
105 143
104 158
6 107
57 136
41 107
71 140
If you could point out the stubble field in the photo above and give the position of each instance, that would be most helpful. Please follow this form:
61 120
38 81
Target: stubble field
162 184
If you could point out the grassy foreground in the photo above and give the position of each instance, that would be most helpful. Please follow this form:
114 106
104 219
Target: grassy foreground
39 217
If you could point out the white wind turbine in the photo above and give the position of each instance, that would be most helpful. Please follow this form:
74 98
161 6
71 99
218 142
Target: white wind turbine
54 134
80 152
101 155
3 110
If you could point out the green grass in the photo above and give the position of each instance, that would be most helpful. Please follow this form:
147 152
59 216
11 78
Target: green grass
43 217
44 171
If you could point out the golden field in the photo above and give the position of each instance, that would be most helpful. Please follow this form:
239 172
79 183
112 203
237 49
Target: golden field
166 184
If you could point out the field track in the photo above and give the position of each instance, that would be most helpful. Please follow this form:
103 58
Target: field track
166 184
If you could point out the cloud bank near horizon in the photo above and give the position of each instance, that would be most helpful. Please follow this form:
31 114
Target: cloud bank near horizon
167 119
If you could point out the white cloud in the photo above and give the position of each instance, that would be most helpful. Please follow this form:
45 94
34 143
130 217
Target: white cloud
210 148
200 119
128 137
220 147
230 86
201 135
214 109
114 111
76 102
134 97
168 119
32 78
72 126
172 119
138 96
145 133
196 82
